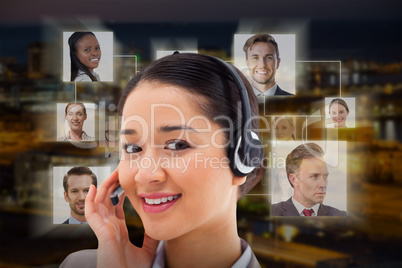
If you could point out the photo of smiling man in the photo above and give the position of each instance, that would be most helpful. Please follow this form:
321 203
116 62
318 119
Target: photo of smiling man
265 64
72 128
70 187
76 185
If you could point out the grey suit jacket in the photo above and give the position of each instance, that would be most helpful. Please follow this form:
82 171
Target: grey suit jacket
279 91
286 208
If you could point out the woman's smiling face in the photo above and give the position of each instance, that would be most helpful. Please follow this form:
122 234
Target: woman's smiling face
75 116
338 114
88 51
174 167
283 130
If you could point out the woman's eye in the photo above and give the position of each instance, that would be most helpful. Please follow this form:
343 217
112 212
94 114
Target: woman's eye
177 145
132 148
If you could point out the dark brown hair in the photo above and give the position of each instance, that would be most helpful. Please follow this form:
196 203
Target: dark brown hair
215 93
339 101
265 38
79 171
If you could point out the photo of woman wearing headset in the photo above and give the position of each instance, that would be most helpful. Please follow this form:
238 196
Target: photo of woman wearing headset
85 55
181 114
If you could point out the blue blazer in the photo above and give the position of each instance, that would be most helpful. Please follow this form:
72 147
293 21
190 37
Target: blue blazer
286 208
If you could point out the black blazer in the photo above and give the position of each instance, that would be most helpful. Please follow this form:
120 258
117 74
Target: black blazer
286 208
66 222
279 91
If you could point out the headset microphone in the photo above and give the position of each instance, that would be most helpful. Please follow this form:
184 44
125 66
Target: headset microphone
115 196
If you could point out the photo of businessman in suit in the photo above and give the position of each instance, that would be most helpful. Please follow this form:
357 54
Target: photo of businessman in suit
308 174
262 59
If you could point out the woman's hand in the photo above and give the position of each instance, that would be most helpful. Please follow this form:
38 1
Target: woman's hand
109 225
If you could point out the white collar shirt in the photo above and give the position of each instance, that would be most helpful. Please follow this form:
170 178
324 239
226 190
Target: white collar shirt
300 207
270 92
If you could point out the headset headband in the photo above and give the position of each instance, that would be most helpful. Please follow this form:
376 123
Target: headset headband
248 152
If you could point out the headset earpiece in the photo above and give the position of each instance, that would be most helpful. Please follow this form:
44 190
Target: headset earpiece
248 152
243 160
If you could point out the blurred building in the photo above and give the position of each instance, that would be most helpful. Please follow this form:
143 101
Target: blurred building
36 61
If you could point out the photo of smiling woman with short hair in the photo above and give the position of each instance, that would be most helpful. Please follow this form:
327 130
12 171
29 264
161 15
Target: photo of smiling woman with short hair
188 212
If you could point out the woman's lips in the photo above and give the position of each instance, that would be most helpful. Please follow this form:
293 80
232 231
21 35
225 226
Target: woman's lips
337 120
158 202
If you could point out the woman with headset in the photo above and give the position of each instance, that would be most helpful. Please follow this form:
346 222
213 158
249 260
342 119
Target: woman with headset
188 155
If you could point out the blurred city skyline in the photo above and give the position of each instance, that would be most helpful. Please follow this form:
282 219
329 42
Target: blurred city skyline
364 37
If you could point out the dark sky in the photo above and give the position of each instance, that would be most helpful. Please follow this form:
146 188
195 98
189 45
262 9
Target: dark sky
197 10
336 29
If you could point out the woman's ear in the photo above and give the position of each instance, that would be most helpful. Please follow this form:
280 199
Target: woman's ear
237 181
